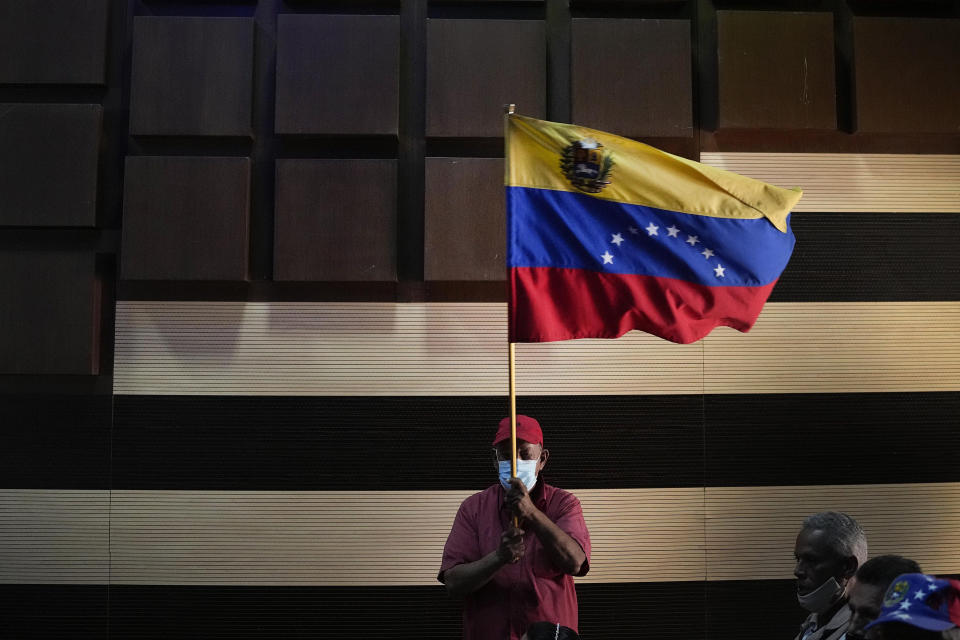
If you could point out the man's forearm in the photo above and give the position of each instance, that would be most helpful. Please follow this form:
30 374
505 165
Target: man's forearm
566 552
466 578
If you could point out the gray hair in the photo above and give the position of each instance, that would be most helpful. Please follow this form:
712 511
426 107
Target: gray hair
845 534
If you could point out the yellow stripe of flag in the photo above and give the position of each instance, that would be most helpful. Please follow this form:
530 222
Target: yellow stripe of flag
641 174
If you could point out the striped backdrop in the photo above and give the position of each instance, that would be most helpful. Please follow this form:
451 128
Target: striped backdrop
283 469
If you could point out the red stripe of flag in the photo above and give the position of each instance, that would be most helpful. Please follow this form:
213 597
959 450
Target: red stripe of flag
551 304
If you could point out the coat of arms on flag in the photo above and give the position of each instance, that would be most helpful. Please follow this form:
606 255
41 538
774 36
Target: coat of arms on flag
587 165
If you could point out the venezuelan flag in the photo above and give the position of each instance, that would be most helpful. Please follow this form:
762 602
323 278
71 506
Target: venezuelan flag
606 235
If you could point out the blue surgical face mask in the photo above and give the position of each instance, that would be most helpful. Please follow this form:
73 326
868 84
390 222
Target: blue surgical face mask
526 471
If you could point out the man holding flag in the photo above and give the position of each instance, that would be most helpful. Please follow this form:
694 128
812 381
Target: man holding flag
511 576
604 235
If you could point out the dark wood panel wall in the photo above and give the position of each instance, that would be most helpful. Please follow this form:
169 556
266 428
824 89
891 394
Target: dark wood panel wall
336 220
42 43
49 155
646 64
191 76
776 70
465 219
473 66
185 218
322 149
55 77
337 74
906 74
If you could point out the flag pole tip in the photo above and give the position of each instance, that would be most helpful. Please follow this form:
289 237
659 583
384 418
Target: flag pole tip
509 109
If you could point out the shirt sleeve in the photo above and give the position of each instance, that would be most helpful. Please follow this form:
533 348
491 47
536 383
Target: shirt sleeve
462 544
570 520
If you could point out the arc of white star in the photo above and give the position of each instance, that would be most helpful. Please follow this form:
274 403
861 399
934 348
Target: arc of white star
906 604
633 230
902 616
719 271
919 595
707 253
607 258
692 240
672 231
617 239
652 229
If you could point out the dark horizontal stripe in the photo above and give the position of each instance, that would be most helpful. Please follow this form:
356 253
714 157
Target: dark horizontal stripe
54 611
295 443
662 610
816 439
397 443
424 443
55 441
720 610
752 609
872 257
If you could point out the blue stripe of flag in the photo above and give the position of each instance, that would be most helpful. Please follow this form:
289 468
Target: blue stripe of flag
576 231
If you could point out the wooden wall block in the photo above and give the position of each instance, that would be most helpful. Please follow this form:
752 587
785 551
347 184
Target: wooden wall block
48 164
633 77
907 74
49 311
191 76
337 74
336 220
62 42
776 70
185 218
465 219
474 67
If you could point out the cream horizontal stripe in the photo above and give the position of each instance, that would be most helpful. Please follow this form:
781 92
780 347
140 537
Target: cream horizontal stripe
459 349
396 538
839 347
54 537
373 349
835 182
751 530
364 538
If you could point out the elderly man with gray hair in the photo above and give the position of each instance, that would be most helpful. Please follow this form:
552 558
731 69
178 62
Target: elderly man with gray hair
829 549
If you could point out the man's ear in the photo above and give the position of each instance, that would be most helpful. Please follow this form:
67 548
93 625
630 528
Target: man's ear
544 456
850 566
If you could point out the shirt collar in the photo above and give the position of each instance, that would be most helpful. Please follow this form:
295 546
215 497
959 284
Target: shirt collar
839 619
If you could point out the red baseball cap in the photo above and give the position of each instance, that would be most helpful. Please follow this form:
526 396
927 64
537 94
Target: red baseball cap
527 429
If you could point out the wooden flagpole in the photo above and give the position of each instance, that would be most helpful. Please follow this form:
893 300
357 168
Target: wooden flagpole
508 110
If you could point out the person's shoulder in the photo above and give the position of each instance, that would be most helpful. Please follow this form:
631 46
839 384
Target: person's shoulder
560 497
557 493
481 499
840 619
